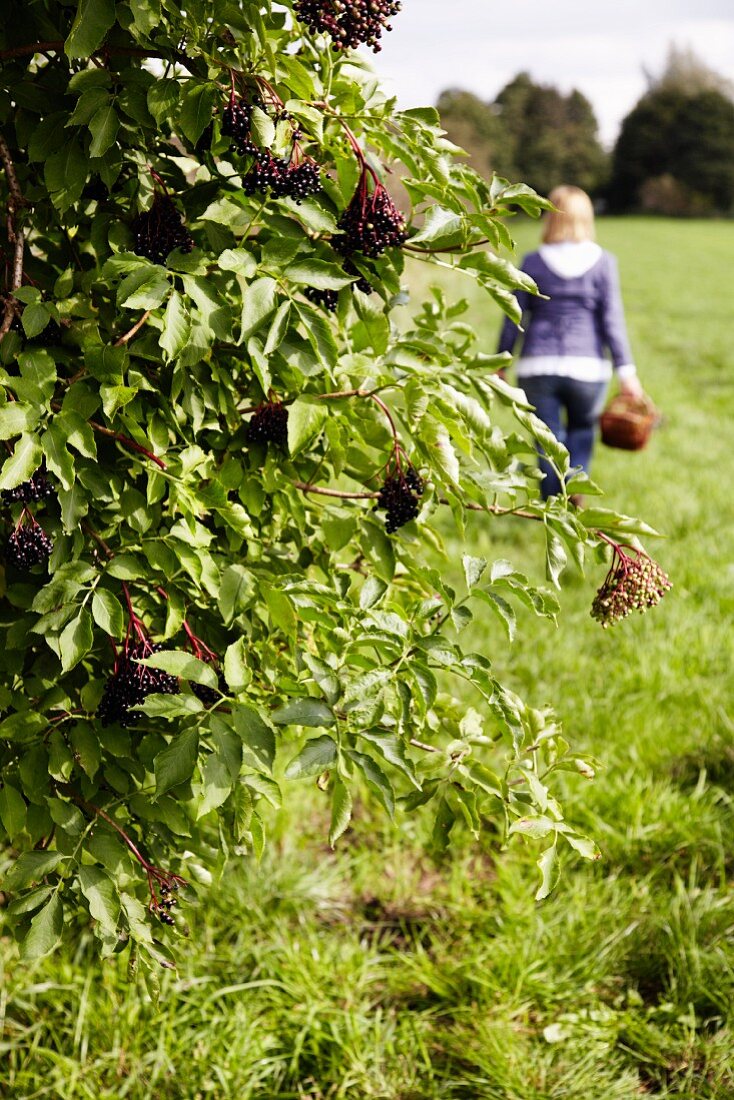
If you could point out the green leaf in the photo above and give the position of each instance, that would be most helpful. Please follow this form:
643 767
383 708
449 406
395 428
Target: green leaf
175 764
197 109
306 417
144 289
12 810
30 867
315 757
35 318
549 874
104 903
178 663
176 326
108 614
318 273
473 569
66 172
58 459
103 127
76 640
376 779
304 712
235 665
555 557
45 930
535 827
258 302
278 328
86 746
257 735
262 128
16 418
239 260
93 19
163 96
22 463
341 811
216 784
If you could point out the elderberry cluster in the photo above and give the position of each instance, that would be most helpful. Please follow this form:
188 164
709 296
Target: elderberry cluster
163 907
361 284
237 124
269 424
285 179
328 299
371 223
158 231
37 488
632 584
399 497
208 695
349 22
131 683
28 545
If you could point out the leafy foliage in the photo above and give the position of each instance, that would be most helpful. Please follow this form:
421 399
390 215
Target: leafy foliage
221 612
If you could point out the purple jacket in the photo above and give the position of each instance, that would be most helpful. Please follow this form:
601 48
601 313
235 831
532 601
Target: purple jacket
583 316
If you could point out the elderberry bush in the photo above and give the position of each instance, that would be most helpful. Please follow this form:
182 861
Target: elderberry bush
269 424
35 489
156 232
399 497
349 22
28 545
371 223
131 683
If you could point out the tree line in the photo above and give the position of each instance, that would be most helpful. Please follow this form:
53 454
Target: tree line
674 154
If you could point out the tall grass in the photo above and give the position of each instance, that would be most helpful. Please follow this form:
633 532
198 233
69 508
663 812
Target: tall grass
374 973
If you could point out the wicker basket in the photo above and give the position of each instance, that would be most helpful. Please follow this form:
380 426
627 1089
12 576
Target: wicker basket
627 422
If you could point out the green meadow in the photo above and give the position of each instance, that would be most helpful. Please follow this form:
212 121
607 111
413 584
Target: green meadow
374 972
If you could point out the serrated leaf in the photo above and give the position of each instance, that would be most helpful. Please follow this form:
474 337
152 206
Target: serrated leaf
316 756
258 302
341 811
35 318
257 735
262 128
93 19
318 273
12 810
45 931
76 640
473 569
58 458
100 892
30 867
178 663
103 127
176 326
107 613
306 418
197 109
304 712
175 764
548 867
22 463
16 418
162 97
235 665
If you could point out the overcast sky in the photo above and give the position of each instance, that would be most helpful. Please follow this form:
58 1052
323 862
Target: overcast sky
598 46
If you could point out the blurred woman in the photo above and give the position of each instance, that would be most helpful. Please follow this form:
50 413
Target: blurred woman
575 339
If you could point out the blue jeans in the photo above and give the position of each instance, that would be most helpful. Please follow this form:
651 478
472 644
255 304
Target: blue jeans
571 409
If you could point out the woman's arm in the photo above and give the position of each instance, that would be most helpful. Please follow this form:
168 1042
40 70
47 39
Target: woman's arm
614 329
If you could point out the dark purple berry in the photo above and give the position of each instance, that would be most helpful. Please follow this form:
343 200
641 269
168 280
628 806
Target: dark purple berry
28 545
37 488
131 683
328 299
269 424
159 230
349 22
371 223
399 497
209 696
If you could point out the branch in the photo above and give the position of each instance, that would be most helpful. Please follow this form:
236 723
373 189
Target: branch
57 46
127 337
333 492
127 442
16 235
98 539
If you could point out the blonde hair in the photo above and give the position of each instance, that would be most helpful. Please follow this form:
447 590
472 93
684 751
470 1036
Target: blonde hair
573 218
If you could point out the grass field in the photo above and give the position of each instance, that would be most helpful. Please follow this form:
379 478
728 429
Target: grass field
374 973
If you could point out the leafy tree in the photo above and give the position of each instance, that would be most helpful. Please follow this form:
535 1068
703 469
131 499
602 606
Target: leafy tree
226 462
680 135
530 130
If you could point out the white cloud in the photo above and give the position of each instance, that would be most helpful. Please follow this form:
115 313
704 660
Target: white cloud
601 48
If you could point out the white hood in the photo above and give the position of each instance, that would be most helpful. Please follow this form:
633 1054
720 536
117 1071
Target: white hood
570 259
